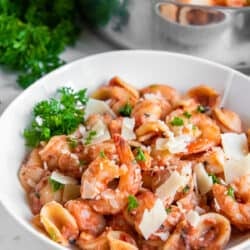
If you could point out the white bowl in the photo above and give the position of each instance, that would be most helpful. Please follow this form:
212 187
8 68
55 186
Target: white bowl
138 68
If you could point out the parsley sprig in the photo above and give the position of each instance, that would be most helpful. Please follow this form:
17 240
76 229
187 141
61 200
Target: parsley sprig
140 156
55 185
177 121
90 136
126 110
230 192
56 116
132 203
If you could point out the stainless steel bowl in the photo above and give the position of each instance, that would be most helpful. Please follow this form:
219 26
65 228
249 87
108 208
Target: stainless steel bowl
220 34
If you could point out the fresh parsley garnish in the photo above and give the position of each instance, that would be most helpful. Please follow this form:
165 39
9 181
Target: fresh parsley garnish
83 162
177 121
186 189
102 154
55 186
202 109
214 178
168 210
34 33
140 156
90 136
187 114
59 116
230 192
132 203
72 142
125 110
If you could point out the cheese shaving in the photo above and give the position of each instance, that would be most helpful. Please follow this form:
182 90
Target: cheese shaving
236 168
204 181
169 188
58 177
193 218
234 145
128 125
152 219
98 107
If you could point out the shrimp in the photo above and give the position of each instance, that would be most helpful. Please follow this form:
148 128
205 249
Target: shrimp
227 120
31 171
205 95
168 93
212 232
237 210
86 218
102 171
91 152
57 154
146 110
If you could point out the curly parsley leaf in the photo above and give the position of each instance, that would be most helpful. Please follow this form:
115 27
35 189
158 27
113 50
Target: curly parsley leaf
56 116
140 156
132 203
125 110
55 185
230 192
90 136
215 179
177 121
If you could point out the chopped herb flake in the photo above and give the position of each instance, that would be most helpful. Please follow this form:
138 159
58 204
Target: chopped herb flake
186 189
102 154
72 142
83 162
125 110
202 109
132 203
55 185
177 121
140 156
187 114
168 210
90 136
230 192
214 178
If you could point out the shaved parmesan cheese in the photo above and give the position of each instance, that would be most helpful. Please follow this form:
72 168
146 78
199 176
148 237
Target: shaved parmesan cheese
236 168
162 235
152 219
193 218
102 133
169 188
128 125
234 145
204 181
58 177
98 107
174 145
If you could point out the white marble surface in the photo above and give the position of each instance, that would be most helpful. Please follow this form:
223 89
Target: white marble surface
12 235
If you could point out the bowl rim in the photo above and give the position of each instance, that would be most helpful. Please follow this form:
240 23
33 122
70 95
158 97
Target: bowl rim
4 202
